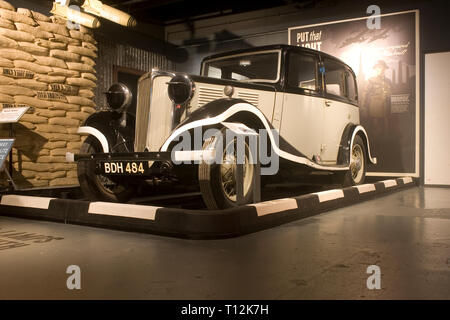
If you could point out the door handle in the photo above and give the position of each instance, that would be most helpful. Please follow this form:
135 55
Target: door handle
327 103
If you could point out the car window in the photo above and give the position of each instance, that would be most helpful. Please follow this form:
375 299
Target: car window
335 77
302 71
351 86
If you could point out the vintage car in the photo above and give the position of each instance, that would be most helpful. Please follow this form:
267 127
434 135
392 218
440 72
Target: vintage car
306 100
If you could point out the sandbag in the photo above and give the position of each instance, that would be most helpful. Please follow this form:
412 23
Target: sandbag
6 42
63 88
50 62
14 54
17 73
50 175
51 128
54 144
63 72
33 48
82 101
76 34
64 182
6 80
25 12
78 115
59 152
89 76
33 102
16 90
50 78
6 98
32 84
88 61
58 20
89 110
74 145
16 17
80 82
50 113
89 46
6 63
4 23
64 106
64 39
80 67
51 44
35 31
81 51
32 66
40 17
86 93
65 122
6 5
66 56
17 35
54 28
33 118
51 96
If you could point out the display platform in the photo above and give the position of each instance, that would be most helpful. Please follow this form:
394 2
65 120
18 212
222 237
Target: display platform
194 224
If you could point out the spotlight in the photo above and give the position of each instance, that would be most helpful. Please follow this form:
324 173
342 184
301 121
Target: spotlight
102 10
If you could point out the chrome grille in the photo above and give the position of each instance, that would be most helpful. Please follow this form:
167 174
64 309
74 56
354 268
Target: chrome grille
251 97
142 112
208 94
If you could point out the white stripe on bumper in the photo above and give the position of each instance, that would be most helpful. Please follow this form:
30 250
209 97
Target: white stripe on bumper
123 210
26 201
330 195
268 207
365 188
389 183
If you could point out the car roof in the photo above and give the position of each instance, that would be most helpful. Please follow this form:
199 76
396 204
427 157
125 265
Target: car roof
284 47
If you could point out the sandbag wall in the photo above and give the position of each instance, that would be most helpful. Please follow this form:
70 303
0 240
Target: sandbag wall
50 68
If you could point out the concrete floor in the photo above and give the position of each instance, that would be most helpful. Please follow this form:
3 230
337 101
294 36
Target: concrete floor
407 234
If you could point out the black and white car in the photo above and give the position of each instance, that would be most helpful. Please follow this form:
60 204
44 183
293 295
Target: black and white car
304 100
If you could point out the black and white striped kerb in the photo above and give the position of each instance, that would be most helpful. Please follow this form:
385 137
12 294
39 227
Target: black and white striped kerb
196 224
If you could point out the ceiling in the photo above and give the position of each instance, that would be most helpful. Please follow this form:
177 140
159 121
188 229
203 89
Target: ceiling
166 12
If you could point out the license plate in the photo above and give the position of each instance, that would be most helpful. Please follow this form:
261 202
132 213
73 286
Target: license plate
125 167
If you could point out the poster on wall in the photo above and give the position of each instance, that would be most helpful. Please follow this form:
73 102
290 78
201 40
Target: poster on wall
386 64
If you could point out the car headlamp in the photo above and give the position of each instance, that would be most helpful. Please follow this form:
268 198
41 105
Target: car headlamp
119 97
180 89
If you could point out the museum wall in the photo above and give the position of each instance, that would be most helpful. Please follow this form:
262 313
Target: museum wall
238 31
50 68
113 54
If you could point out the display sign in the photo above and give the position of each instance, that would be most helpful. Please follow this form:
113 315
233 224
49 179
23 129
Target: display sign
385 59
11 115
5 148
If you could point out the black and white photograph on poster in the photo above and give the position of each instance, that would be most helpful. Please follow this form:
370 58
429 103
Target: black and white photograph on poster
385 60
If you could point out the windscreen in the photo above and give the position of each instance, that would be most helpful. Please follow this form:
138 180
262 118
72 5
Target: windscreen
254 67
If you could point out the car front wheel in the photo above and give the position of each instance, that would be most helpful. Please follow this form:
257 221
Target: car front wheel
218 180
98 187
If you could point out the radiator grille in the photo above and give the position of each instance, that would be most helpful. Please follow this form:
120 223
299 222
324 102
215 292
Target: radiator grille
250 97
142 113
206 95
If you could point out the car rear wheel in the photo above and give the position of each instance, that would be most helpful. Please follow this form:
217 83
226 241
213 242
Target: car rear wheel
357 172
98 187
218 180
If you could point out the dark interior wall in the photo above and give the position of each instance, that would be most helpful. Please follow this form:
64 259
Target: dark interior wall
206 37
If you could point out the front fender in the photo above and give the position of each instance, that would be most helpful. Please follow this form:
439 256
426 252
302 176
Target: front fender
218 111
105 127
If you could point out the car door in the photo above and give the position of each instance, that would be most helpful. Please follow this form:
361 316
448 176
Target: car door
301 122
338 108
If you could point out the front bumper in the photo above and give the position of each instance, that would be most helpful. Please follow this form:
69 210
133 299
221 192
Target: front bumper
142 163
